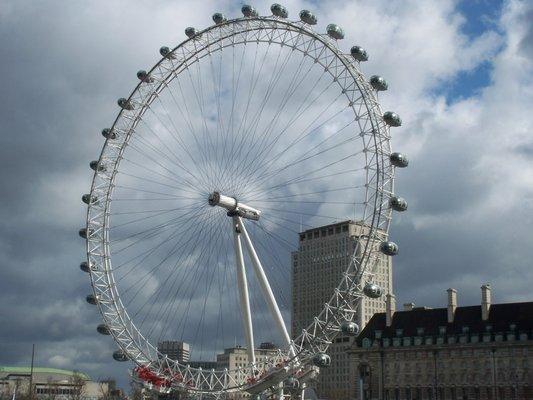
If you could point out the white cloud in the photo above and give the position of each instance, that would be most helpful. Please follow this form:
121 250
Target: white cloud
469 184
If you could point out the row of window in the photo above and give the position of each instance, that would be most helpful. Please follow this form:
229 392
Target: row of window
56 390
450 339
323 232
452 393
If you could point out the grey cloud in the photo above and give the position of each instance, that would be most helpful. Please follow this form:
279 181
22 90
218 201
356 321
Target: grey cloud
526 43
64 64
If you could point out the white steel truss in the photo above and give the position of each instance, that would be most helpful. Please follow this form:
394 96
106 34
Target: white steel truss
295 358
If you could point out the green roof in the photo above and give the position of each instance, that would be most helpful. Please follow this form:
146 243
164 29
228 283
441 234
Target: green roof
37 370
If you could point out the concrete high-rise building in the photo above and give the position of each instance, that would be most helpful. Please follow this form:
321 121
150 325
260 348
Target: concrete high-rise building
323 256
175 350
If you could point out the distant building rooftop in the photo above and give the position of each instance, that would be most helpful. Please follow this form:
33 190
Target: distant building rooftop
6 370
502 318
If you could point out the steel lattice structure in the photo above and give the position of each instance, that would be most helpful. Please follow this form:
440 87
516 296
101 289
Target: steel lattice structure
298 357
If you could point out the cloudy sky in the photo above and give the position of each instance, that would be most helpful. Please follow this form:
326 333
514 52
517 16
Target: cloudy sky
460 75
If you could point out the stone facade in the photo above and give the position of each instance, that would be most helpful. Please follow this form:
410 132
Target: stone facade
175 350
53 384
323 256
479 352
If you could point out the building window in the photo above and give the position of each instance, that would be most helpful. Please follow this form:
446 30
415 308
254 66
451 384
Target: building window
454 393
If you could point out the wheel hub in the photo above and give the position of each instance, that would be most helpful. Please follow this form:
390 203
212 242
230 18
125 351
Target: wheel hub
233 206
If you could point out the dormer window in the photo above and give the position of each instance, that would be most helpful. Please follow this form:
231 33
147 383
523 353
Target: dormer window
512 327
442 330
378 334
488 328
399 332
465 329
419 331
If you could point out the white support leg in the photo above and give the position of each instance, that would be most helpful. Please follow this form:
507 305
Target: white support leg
243 290
265 286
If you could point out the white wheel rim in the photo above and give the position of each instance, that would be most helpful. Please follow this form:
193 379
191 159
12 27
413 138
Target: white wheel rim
379 180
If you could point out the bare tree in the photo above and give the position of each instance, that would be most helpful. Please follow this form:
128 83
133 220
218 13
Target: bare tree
135 391
107 388
51 390
78 386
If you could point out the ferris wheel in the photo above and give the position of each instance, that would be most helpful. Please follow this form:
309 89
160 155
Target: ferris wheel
239 138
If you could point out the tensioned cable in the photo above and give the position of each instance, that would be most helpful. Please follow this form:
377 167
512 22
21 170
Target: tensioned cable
263 137
153 301
264 175
157 265
197 235
145 141
298 114
255 120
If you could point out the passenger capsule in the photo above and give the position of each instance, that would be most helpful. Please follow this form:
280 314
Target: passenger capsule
83 232
165 52
335 31
359 53
398 203
308 17
119 355
399 160
279 11
249 11
378 83
219 18
125 104
103 329
388 248
95 166
191 32
88 199
322 360
84 266
372 290
91 299
392 119
144 76
291 383
350 328
109 133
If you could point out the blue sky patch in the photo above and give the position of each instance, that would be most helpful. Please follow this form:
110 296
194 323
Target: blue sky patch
480 14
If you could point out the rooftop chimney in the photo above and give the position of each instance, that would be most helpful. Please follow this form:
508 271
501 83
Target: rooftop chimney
452 304
485 302
391 307
408 306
